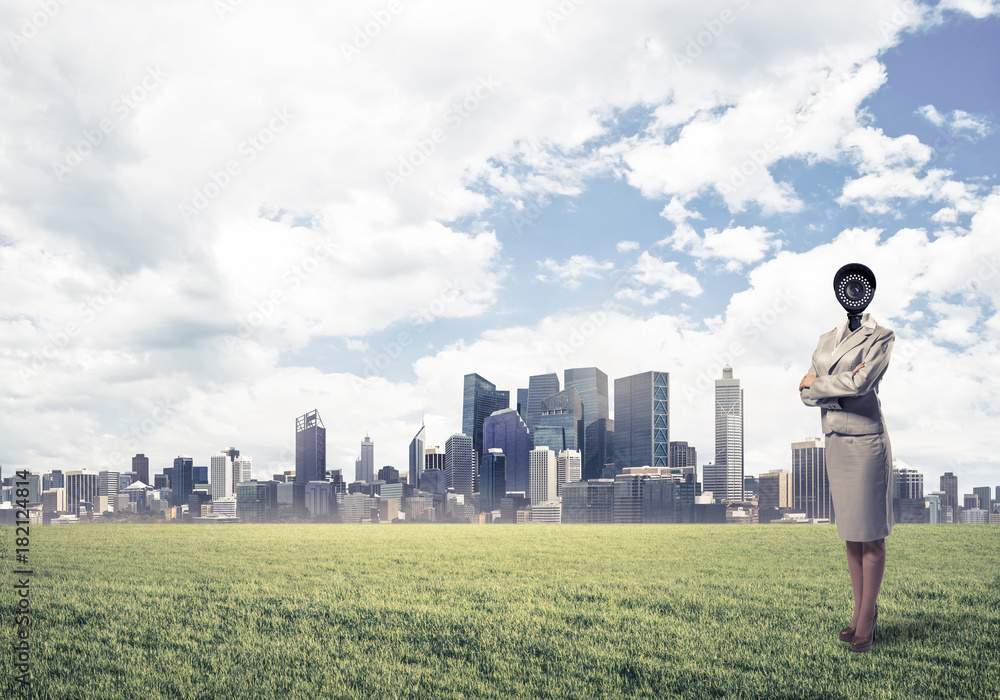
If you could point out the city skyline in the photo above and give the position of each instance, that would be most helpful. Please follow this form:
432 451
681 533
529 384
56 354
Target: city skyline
311 422
665 186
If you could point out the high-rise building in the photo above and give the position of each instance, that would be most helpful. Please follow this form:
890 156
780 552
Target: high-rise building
200 475
540 387
984 497
561 422
933 501
729 433
684 457
459 462
182 480
714 480
542 475
642 421
364 465
810 485
82 486
775 489
568 468
221 476
433 458
592 386
310 448
522 403
492 479
242 468
140 465
949 484
480 399
907 483
388 474
506 430
108 483
417 455
53 480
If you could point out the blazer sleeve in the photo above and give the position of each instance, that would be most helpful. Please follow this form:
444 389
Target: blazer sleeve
858 383
809 399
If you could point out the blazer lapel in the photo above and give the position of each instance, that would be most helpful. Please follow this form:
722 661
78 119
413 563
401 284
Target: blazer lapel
849 344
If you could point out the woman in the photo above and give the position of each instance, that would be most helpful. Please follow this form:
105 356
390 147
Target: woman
843 381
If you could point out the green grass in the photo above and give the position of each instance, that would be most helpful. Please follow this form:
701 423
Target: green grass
534 611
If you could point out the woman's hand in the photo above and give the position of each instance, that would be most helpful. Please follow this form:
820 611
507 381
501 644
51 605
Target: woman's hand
859 367
807 380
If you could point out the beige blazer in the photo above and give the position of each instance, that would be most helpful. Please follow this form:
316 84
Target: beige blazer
849 399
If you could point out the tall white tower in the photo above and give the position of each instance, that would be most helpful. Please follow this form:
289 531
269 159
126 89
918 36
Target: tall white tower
220 475
729 434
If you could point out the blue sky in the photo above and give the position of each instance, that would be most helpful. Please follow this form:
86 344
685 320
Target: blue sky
261 225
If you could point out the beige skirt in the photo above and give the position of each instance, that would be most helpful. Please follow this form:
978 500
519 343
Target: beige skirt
859 469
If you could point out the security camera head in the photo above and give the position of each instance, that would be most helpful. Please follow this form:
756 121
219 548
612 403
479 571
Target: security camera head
854 285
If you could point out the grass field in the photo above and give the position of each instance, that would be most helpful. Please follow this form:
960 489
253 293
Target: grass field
532 611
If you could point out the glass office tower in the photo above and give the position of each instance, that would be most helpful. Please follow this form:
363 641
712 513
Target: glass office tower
592 386
642 421
506 431
417 456
480 399
310 448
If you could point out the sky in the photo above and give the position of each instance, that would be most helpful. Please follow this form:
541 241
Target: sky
216 216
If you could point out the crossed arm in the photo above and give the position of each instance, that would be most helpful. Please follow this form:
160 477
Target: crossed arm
825 391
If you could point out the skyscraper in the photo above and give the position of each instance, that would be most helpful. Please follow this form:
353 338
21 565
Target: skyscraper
108 483
459 463
642 421
417 456
182 480
522 403
242 469
810 485
568 469
592 386
310 448
984 497
506 431
560 424
729 433
540 387
949 484
480 399
492 480
221 476
364 465
140 465
542 475
684 457
81 486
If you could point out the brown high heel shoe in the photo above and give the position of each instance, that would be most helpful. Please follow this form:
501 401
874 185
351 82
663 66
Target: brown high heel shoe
847 634
865 644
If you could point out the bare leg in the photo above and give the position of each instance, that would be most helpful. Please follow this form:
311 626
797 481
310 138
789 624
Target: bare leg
873 558
854 565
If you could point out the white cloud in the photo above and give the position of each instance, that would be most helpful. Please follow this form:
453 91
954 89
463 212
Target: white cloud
657 279
627 246
736 246
574 270
959 123
977 8
877 192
